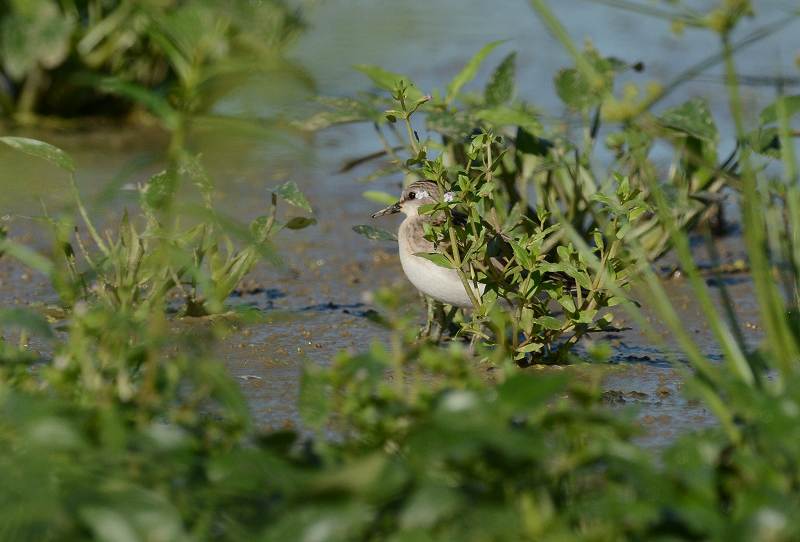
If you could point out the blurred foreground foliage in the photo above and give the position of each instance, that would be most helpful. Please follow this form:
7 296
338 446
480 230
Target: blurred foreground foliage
129 432
103 58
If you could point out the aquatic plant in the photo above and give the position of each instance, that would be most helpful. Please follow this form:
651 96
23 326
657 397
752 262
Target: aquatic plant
150 255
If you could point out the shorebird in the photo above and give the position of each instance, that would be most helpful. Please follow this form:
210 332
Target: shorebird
438 282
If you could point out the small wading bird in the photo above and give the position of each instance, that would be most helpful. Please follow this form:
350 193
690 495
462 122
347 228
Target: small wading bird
438 282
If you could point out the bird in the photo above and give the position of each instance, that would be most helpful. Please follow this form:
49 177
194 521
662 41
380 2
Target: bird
441 283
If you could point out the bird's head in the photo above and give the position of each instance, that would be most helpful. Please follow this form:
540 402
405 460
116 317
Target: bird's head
413 197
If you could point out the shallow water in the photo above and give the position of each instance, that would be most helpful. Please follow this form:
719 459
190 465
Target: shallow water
318 300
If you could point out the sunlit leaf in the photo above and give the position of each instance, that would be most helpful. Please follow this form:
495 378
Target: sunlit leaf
291 193
38 38
435 257
469 71
791 105
160 190
692 118
500 88
549 322
40 149
387 80
574 90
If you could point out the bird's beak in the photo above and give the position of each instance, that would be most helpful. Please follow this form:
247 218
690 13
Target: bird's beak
390 210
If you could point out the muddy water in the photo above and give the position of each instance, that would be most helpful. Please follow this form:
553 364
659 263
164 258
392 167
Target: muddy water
316 302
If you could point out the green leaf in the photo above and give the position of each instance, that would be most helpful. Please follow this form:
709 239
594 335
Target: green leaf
40 149
530 347
469 71
381 78
290 192
387 80
567 302
373 233
514 115
791 105
377 196
160 190
25 319
692 118
39 37
548 322
521 254
574 90
500 88
435 257
300 222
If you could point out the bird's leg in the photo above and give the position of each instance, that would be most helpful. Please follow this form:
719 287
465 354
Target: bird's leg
441 321
425 332
473 343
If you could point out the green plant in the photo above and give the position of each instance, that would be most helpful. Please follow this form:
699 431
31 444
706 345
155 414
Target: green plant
151 255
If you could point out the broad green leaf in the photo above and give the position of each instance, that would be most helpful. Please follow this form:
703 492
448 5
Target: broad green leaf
511 115
567 302
521 254
548 322
377 196
40 149
470 70
373 233
530 347
382 78
435 257
692 118
160 190
300 222
791 105
500 88
291 193
574 90
40 37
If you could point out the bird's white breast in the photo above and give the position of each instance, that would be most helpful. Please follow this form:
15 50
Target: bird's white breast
438 282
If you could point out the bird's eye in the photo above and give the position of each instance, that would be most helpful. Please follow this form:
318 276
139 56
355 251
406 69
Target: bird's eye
411 195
